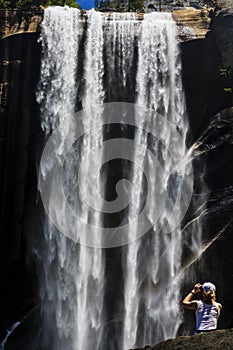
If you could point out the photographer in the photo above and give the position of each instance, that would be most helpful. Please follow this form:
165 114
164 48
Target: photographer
207 310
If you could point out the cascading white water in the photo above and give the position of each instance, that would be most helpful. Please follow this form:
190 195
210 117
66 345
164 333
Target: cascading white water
121 39
90 277
57 95
168 240
57 88
73 276
159 89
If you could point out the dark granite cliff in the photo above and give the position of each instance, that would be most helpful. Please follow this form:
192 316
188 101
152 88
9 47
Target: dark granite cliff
208 81
19 133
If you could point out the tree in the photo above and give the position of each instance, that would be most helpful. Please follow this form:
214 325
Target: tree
21 4
136 5
70 3
120 5
105 4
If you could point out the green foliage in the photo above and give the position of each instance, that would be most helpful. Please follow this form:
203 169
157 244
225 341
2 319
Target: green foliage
5 4
224 72
119 5
226 76
105 4
70 3
136 5
228 89
21 4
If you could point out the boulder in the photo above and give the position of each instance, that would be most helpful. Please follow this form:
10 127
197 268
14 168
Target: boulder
216 340
192 23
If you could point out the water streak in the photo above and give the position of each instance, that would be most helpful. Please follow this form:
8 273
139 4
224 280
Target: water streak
159 88
90 277
9 332
57 97
73 274
120 34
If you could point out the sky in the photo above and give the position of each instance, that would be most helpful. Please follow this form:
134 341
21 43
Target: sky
86 4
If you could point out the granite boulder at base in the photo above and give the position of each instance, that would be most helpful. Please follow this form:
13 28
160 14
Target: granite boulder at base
217 340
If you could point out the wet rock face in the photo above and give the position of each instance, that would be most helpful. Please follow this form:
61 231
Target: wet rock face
14 22
225 4
217 227
19 131
217 340
208 73
222 27
192 23
208 81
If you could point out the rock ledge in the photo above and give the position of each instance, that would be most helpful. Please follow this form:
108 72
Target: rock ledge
216 340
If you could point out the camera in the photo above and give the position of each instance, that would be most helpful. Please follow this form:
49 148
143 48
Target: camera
200 289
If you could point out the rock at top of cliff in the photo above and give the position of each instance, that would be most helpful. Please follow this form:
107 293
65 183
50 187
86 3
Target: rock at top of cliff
225 4
216 340
222 26
192 23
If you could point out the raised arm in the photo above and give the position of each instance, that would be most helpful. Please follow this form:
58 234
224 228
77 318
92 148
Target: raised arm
219 309
188 303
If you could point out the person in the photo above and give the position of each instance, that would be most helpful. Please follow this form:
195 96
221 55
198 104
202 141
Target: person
207 310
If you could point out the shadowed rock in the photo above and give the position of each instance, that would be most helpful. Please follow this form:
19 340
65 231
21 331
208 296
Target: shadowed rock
217 340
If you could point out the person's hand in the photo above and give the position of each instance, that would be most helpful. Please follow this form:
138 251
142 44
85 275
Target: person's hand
197 288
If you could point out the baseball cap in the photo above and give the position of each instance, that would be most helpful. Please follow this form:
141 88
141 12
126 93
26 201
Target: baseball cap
208 286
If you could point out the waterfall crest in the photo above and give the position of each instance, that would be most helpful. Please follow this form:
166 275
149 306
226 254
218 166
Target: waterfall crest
120 34
86 61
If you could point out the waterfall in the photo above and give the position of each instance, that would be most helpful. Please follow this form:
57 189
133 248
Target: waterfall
159 89
120 55
90 277
86 61
57 88
57 95
73 274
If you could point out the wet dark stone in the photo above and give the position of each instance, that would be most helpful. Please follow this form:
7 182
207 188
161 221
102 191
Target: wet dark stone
217 340
19 135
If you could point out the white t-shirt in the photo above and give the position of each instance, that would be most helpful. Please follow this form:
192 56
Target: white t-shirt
206 316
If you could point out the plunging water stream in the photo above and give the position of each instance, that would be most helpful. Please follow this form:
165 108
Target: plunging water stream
87 61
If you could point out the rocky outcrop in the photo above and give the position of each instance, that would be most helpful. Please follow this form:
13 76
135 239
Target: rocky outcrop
15 22
208 71
192 23
224 4
222 27
218 340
